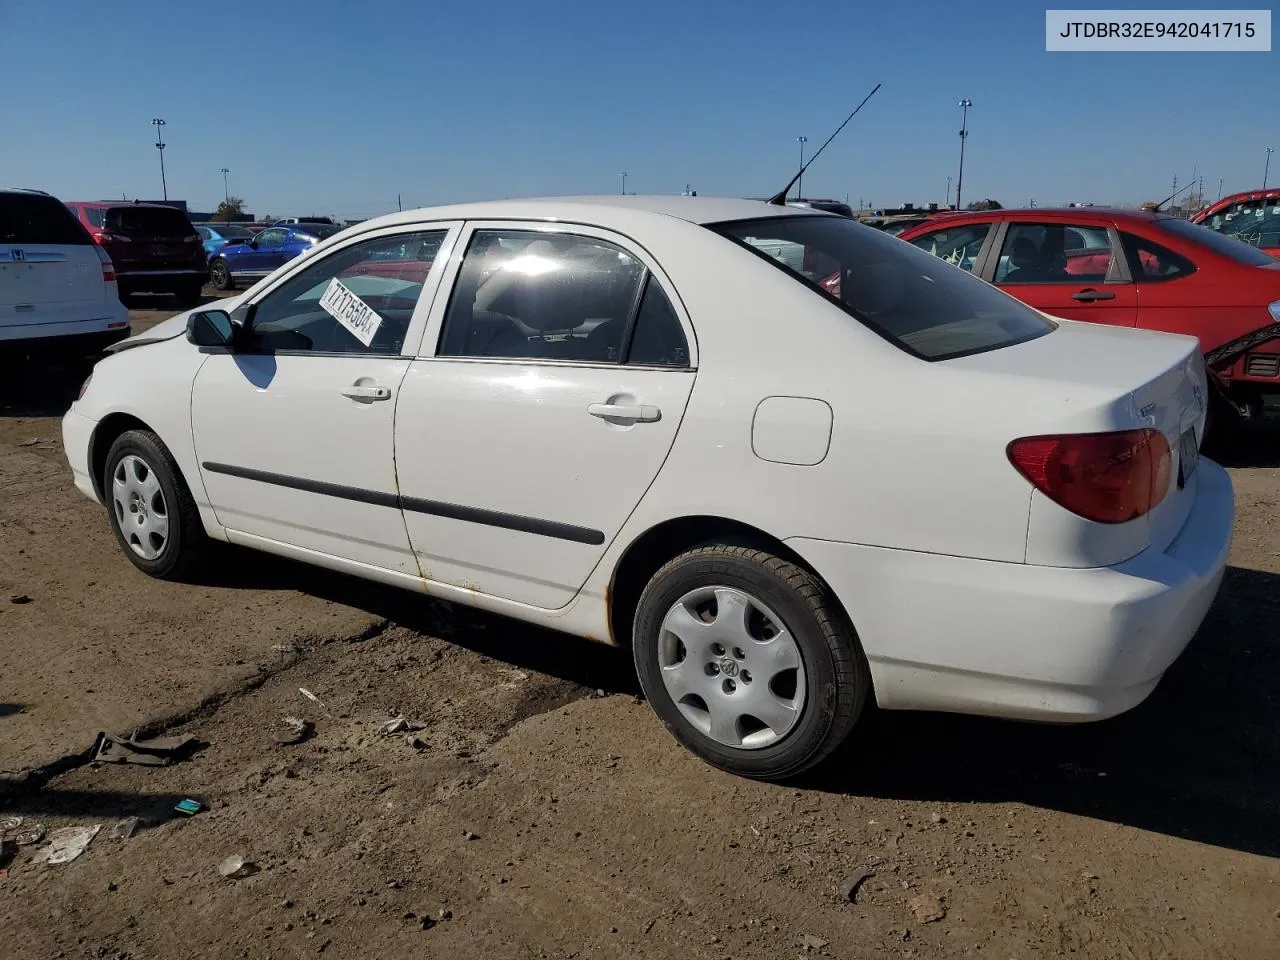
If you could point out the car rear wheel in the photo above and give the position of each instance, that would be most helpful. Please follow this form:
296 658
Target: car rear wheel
151 511
220 276
748 662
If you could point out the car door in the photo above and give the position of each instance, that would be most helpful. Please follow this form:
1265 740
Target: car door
547 397
1073 270
293 428
263 255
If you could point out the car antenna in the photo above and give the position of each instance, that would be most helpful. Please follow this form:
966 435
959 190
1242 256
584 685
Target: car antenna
1156 208
780 199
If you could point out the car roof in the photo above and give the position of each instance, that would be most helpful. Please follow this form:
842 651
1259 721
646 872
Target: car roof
1226 201
1109 214
28 191
601 209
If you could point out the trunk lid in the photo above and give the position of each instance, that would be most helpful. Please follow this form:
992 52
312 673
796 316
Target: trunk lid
1087 378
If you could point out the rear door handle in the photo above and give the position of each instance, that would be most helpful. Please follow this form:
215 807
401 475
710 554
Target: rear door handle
638 413
1086 296
366 394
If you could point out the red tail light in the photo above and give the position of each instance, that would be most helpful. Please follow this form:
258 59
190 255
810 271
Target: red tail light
104 237
1106 477
108 268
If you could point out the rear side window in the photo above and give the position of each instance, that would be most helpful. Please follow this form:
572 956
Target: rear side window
658 339
148 222
912 299
959 246
33 218
1150 261
1222 245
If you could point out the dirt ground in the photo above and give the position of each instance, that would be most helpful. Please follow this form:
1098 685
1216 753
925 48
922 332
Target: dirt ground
540 811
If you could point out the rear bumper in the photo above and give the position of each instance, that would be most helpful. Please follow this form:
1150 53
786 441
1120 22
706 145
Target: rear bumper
1024 641
63 340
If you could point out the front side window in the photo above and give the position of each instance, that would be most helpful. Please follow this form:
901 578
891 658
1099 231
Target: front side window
1056 253
909 297
272 237
523 294
97 216
959 246
336 305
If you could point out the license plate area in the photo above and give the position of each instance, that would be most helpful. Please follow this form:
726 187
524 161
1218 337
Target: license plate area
1188 456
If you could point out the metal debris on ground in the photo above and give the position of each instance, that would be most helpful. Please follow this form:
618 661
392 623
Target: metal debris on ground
299 730
313 698
189 807
157 752
68 843
28 836
237 867
401 725
849 891
125 828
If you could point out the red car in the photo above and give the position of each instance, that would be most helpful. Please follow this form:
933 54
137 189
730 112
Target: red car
154 248
1131 269
1253 217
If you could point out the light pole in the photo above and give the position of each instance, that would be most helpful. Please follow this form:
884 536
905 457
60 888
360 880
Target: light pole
1267 168
800 183
226 191
1219 188
946 197
624 183
157 122
964 105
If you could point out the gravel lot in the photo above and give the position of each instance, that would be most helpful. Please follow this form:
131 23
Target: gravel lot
542 811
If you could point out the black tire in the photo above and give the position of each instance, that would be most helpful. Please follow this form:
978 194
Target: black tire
220 276
189 293
185 542
837 680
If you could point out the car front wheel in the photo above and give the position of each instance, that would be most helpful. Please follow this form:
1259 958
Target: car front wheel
151 510
748 662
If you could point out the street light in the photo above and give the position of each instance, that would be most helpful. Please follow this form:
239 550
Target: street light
1267 169
946 197
624 183
226 192
964 105
1219 188
800 183
157 122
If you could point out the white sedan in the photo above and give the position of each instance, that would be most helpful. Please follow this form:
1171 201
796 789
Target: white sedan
788 485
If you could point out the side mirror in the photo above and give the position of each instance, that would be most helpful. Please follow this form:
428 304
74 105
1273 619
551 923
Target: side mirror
210 328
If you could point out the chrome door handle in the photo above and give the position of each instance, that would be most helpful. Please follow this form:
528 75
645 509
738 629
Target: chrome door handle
367 394
639 413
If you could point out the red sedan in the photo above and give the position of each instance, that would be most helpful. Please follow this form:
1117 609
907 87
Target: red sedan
1130 269
1253 216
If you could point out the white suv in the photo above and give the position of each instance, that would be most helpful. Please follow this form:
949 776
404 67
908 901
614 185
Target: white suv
58 295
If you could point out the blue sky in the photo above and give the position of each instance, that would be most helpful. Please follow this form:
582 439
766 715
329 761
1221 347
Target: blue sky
331 106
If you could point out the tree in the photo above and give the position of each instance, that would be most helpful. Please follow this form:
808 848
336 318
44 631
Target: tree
228 210
985 205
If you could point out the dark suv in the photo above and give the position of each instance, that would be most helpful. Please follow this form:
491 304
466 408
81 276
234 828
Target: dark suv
154 248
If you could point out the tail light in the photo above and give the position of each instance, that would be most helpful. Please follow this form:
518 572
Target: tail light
1105 477
108 268
84 387
105 237
194 238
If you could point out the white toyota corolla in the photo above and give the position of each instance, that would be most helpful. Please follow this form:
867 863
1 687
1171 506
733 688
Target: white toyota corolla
792 462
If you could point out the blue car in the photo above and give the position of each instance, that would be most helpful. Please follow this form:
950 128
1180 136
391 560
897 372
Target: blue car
252 259
218 235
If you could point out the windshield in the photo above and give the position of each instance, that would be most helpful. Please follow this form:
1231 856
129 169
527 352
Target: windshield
916 301
1220 244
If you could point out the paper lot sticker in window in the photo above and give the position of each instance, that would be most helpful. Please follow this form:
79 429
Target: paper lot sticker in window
350 311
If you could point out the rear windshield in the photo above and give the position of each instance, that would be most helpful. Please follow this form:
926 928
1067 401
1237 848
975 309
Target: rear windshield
148 222
32 218
914 300
1237 250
